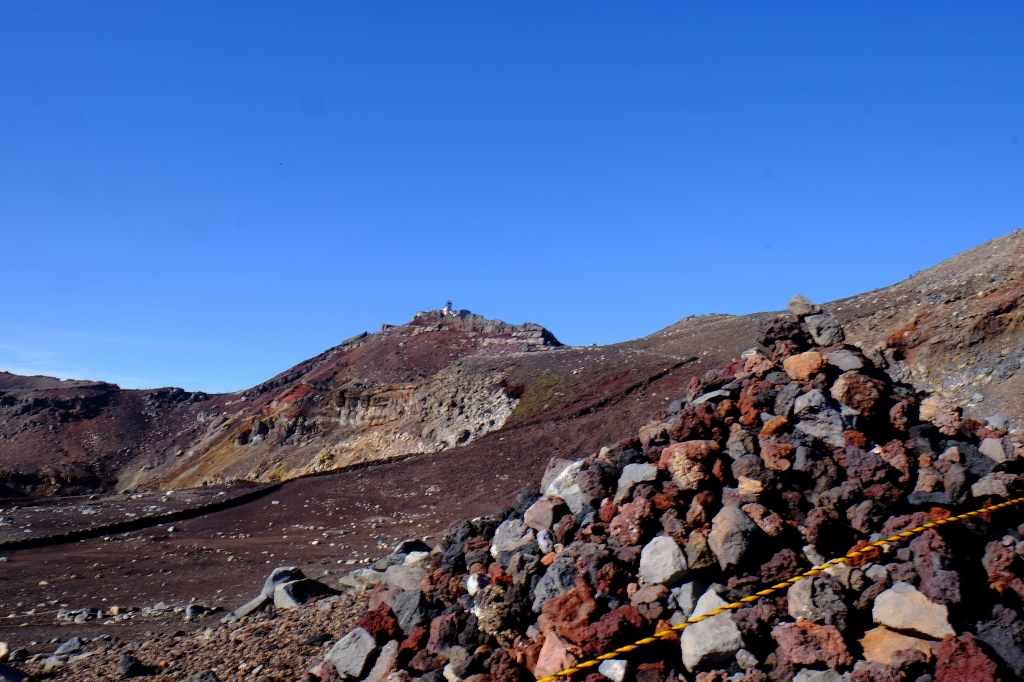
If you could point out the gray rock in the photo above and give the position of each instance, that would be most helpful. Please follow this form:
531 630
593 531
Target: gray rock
565 486
662 561
250 607
353 654
297 592
877 573
556 465
280 575
732 533
631 475
715 640
825 329
998 449
746 660
786 398
698 554
998 421
511 536
70 646
404 577
556 581
52 663
685 597
818 419
801 306
1005 634
409 609
616 669
712 395
361 579
993 485
844 360
387 663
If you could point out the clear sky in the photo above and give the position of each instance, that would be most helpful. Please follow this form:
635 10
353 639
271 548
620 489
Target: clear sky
203 194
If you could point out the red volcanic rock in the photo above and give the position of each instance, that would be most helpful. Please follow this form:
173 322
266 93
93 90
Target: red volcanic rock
807 643
628 527
775 455
655 433
803 366
503 668
545 513
772 426
693 450
855 438
443 633
780 567
873 671
858 392
861 464
692 423
753 398
614 628
932 558
381 623
894 453
425 661
960 659
569 615
900 414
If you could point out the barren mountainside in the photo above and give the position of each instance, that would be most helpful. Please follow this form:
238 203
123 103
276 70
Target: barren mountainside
452 379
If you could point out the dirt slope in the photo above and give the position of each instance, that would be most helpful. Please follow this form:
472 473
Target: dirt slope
457 380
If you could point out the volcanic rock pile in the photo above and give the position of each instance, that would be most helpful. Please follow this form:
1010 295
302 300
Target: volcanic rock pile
799 451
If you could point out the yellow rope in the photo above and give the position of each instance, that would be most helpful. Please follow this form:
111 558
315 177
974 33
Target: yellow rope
775 588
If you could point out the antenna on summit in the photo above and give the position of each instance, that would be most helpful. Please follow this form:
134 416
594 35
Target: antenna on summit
447 309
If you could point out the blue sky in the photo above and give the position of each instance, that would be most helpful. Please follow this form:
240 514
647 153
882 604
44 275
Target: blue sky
203 194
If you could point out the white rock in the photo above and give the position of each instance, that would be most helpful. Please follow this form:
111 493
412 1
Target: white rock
421 559
5 651
615 669
663 562
902 607
564 485
477 582
716 639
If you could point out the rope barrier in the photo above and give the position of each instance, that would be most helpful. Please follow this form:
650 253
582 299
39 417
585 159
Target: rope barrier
853 554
